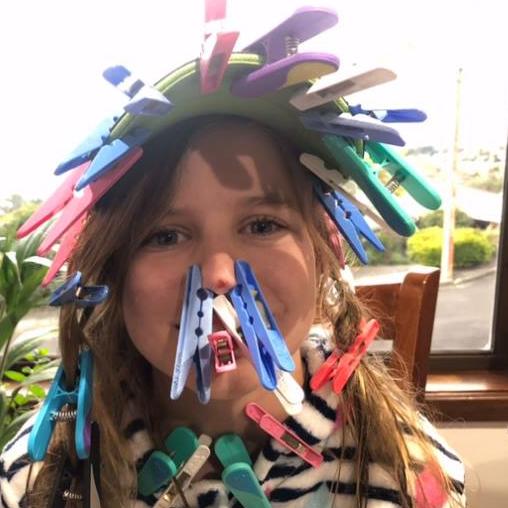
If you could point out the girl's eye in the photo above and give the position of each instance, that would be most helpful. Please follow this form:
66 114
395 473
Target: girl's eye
166 238
263 227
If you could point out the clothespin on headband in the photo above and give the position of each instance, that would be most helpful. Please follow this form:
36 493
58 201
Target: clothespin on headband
284 66
217 47
79 398
390 115
264 339
72 291
339 367
193 346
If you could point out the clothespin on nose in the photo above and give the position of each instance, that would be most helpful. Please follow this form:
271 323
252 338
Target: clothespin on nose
284 66
218 45
73 291
193 346
79 399
339 367
224 354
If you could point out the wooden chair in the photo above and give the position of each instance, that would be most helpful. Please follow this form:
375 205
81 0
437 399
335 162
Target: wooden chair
405 306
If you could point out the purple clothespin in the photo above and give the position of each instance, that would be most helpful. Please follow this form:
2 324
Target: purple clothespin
283 65
193 346
390 115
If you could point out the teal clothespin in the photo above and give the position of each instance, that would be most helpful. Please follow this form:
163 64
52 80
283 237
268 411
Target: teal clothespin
181 444
80 397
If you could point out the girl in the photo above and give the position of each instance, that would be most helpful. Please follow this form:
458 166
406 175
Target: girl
216 212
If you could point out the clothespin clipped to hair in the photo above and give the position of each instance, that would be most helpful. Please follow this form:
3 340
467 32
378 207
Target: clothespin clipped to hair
332 123
238 475
284 66
264 339
193 346
224 354
390 115
72 291
282 434
217 47
144 99
335 240
329 88
339 367
79 398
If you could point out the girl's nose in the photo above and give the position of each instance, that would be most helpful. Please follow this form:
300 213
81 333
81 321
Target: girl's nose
218 272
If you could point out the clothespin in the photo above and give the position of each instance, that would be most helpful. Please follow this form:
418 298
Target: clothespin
224 354
185 475
217 46
238 475
264 339
331 123
403 174
283 65
335 240
355 167
329 88
193 346
144 99
72 291
78 205
79 399
289 393
282 434
339 367
390 115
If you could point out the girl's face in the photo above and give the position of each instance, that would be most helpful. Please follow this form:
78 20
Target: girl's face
234 199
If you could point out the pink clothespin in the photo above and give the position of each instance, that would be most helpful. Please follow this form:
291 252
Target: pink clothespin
339 366
282 434
335 240
217 46
78 205
223 351
429 491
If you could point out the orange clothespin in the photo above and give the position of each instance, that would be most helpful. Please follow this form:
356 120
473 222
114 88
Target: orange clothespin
339 366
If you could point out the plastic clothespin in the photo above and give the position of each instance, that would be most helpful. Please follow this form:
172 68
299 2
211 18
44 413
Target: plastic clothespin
264 339
144 99
403 174
88 148
79 397
283 65
193 346
73 292
331 123
111 154
185 475
181 444
289 393
390 115
79 204
282 434
339 367
353 166
329 88
224 354
335 240
217 46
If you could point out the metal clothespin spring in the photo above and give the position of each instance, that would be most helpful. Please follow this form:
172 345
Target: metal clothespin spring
291 45
393 184
65 415
70 495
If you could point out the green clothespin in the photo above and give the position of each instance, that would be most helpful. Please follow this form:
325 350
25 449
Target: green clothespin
353 166
181 444
157 471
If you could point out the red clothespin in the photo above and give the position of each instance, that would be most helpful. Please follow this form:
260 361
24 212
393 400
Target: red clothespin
339 367
217 46
223 351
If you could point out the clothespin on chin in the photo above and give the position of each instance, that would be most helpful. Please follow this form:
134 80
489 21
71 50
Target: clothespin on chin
265 342
218 45
193 347
79 400
72 291
339 367
284 66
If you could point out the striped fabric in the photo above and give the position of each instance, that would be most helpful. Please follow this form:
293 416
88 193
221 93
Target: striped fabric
287 480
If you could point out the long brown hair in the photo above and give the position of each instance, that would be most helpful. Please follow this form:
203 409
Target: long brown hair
377 411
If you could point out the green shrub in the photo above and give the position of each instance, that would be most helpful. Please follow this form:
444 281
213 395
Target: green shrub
472 247
395 250
462 220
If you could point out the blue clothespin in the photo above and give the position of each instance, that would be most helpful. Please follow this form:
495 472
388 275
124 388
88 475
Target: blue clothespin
193 345
390 115
88 148
73 292
80 397
108 155
331 123
264 339
144 99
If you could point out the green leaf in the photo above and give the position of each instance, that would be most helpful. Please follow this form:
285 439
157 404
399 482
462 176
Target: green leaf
26 370
20 399
38 391
12 428
14 376
43 351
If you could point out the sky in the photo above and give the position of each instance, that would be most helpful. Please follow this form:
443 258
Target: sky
52 55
